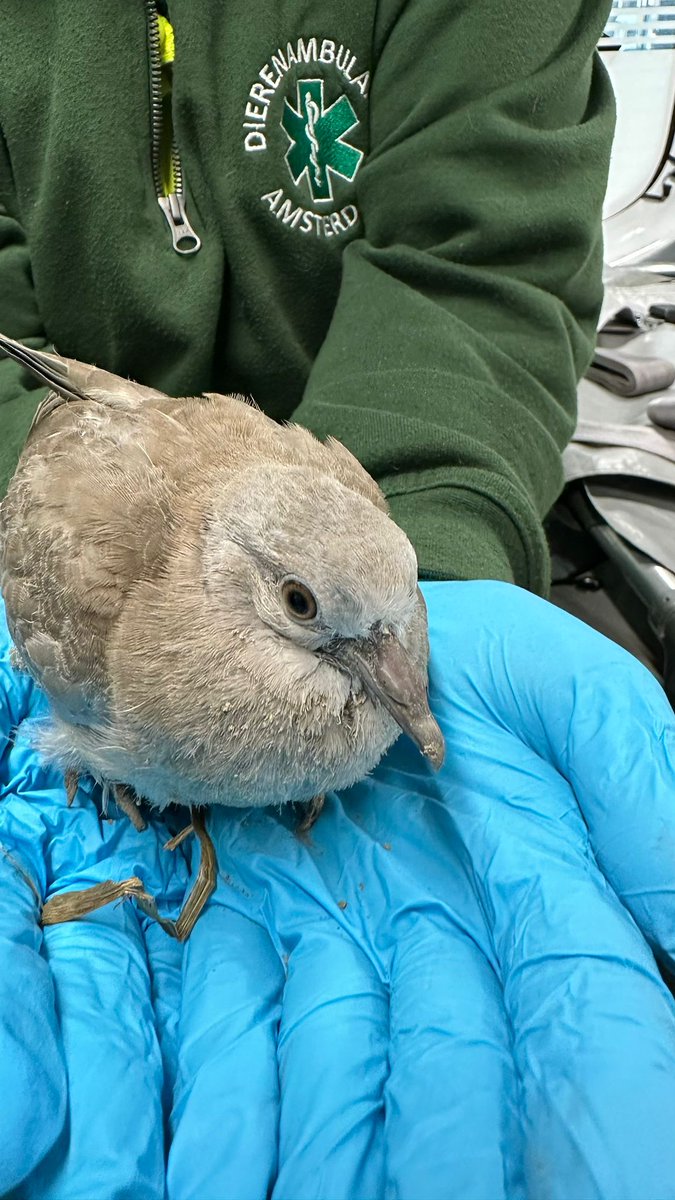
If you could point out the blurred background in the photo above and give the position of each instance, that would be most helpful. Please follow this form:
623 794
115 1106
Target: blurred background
612 535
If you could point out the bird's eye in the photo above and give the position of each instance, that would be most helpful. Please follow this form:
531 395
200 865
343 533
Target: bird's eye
299 601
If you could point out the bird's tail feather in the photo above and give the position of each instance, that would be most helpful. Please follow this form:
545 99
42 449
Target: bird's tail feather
76 381
50 369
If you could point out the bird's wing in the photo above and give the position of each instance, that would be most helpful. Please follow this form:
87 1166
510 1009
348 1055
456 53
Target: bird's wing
86 517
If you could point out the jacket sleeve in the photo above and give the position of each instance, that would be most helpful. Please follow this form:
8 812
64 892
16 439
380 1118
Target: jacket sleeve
19 318
467 309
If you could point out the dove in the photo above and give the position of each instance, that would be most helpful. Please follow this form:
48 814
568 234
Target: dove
218 607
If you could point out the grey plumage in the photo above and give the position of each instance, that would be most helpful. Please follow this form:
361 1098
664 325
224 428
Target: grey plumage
156 555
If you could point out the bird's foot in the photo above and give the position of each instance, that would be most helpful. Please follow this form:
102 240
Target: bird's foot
129 803
71 906
204 884
312 812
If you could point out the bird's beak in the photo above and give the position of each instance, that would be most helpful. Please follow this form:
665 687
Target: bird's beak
390 676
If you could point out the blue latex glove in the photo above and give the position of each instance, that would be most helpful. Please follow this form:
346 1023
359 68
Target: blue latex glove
88 1010
446 990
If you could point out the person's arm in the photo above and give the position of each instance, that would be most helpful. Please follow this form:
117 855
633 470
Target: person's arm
19 318
467 310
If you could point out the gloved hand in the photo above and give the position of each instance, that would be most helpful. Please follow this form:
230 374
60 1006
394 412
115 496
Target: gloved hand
446 989
452 975
88 1010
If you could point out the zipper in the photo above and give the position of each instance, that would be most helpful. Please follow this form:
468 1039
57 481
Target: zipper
172 203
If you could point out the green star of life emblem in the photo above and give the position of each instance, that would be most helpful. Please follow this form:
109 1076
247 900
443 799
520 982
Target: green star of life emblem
316 134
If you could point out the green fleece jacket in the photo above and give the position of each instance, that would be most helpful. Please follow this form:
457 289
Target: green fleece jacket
399 207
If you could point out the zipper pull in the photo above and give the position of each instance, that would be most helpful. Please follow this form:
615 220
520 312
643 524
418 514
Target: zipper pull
185 240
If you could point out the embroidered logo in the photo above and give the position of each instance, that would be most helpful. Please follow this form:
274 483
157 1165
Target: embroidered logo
316 134
313 120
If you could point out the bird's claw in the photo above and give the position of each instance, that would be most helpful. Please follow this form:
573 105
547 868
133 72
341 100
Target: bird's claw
312 812
71 781
127 800
174 842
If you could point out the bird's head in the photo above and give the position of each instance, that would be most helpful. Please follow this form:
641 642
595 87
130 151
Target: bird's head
331 582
